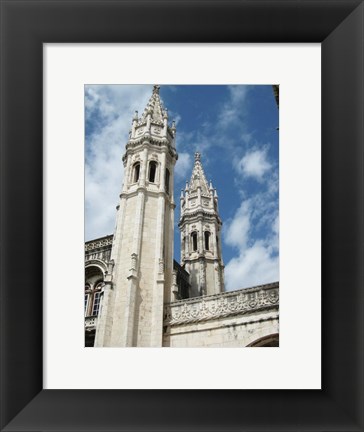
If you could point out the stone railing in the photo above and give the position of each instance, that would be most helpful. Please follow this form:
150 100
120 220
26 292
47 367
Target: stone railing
90 322
98 243
222 305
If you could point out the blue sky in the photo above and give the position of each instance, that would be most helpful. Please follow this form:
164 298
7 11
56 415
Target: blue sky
235 130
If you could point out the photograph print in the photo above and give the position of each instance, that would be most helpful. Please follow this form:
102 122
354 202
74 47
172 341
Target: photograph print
181 216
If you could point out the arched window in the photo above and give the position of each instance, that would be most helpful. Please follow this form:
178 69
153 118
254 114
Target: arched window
207 240
166 181
94 276
86 301
136 172
87 296
194 241
96 304
152 171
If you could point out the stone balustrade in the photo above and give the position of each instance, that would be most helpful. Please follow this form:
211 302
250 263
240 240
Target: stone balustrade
222 305
98 243
90 322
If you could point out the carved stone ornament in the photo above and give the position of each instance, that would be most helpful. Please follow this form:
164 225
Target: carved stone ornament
161 265
107 241
134 260
222 305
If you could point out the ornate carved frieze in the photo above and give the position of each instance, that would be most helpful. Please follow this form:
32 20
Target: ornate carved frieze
98 243
222 305
99 249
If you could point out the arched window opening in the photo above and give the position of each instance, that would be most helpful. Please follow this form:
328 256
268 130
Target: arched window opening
136 172
152 171
86 302
166 182
207 240
194 241
96 304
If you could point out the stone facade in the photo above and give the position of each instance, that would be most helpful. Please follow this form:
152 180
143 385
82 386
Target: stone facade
231 319
135 293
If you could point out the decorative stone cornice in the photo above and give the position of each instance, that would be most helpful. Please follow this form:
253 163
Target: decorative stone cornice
99 243
198 214
147 140
222 305
150 191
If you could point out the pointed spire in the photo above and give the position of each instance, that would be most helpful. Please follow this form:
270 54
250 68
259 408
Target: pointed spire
198 178
154 106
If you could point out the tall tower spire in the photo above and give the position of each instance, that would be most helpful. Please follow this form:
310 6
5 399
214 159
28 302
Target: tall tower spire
142 250
200 227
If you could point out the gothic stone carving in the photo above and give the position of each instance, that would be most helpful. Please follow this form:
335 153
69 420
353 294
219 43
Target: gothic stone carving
222 305
107 241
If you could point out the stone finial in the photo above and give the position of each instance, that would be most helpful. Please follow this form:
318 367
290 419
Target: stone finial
197 157
135 115
156 89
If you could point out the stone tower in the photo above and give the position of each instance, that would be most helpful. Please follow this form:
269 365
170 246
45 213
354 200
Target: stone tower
140 275
200 226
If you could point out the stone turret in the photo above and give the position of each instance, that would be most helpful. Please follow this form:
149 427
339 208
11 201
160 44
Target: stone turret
132 312
200 227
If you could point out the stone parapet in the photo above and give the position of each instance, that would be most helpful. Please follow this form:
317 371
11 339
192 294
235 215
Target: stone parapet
222 305
98 243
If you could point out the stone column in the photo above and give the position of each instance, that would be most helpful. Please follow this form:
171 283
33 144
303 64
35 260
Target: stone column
159 265
126 175
103 327
201 245
214 244
144 167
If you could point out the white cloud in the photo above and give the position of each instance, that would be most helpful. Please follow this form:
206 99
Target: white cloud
183 166
234 109
255 164
256 259
254 266
237 231
111 109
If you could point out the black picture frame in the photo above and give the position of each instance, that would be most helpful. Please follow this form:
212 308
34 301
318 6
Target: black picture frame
338 26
